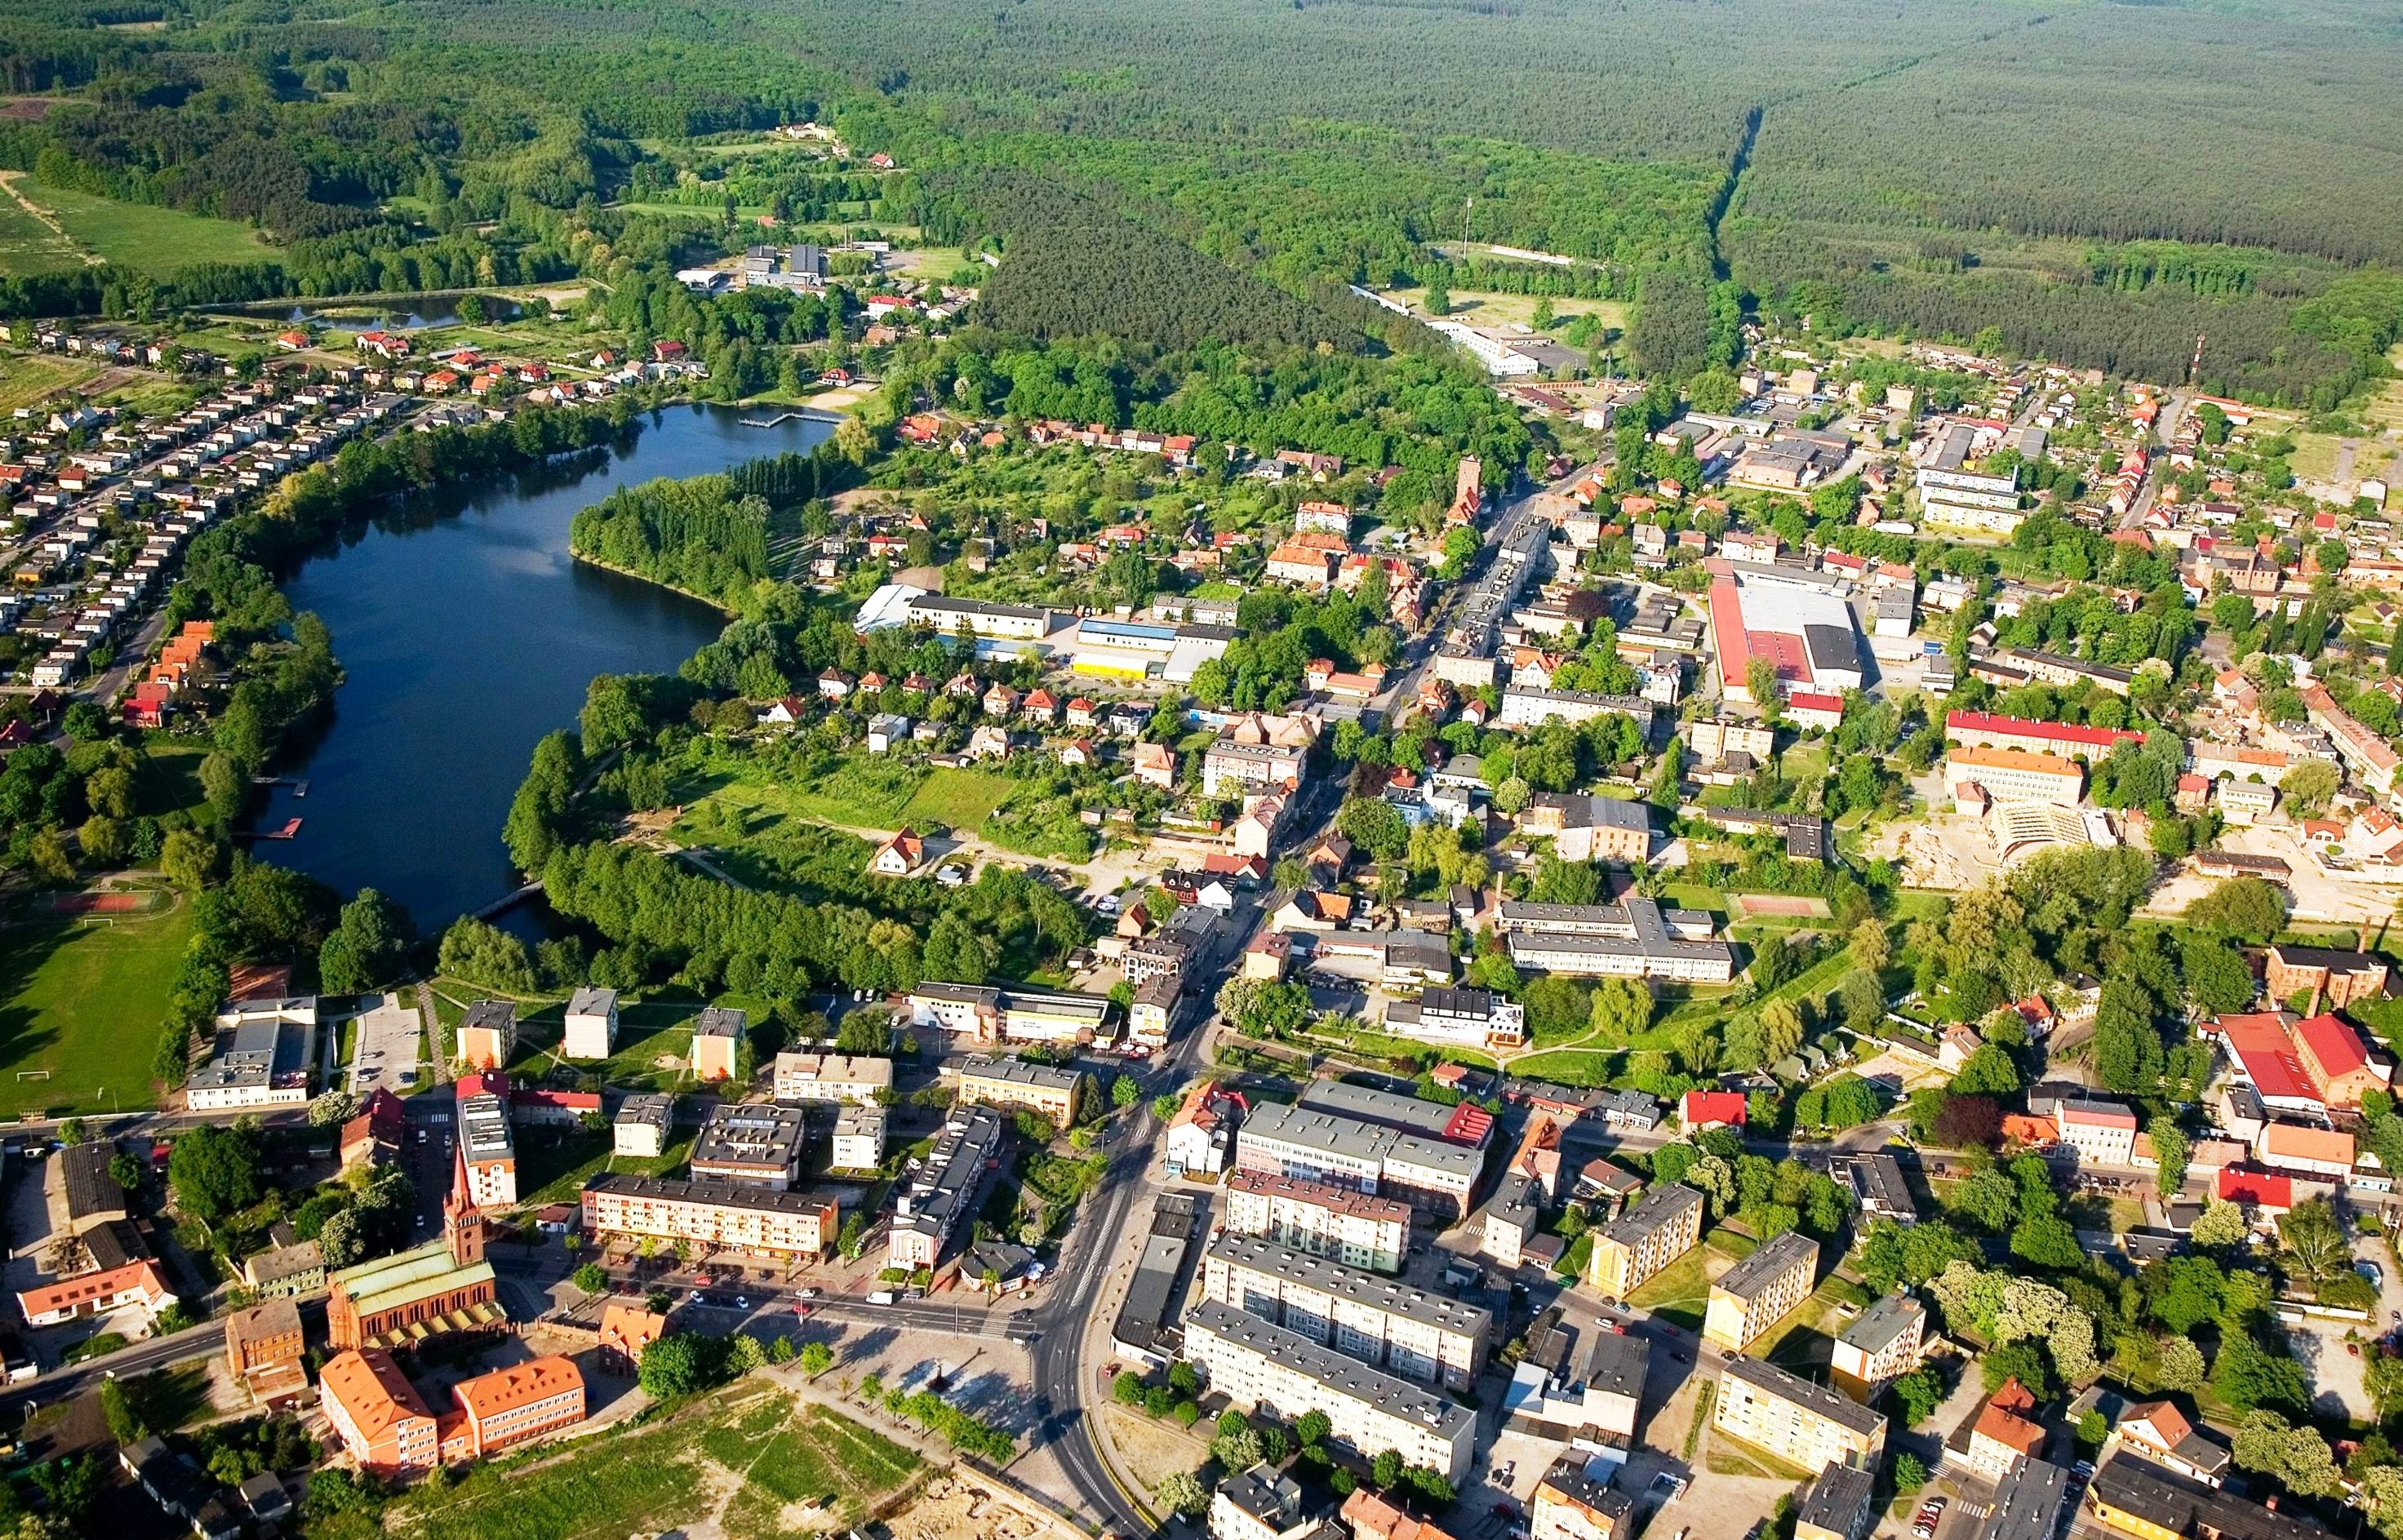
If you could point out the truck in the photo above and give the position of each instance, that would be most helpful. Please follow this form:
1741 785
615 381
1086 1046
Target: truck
882 1297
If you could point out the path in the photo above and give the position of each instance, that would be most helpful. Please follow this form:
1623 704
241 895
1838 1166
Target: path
47 219
440 1060
2345 451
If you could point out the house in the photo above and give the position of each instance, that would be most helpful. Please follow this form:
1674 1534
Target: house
1883 1341
627 1328
2005 1432
1155 765
263 1352
898 856
1710 1109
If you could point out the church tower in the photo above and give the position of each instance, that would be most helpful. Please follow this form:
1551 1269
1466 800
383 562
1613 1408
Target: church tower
463 1223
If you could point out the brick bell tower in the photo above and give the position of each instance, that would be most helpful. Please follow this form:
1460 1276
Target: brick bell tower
463 1223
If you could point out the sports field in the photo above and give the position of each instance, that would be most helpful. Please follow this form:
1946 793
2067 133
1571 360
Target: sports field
82 998
154 241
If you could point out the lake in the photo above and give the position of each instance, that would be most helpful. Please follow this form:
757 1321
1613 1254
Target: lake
466 633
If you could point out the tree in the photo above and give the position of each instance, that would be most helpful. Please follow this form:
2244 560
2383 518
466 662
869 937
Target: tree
1386 1470
1760 683
2307 787
1919 1393
368 945
1988 1072
1125 1091
2171 1146
1910 1474
1314 1429
1127 1389
2247 1376
189 860
591 1278
213 1170
1236 1450
2312 1231
2220 1226
2179 1366
1180 1493
677 1365
2217 977
816 1358
125 1170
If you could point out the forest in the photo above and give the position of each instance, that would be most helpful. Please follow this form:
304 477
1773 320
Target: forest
1844 168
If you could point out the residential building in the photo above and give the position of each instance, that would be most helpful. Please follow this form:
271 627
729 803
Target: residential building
1761 1290
750 1144
92 1197
1630 940
2342 976
1883 1341
1699 1110
1464 1124
488 1151
284 1272
1584 828
1985 730
1806 1424
642 1126
591 1024
1592 1399
174 1483
2163 1433
1352 1227
2149 1501
2028 1501
383 1422
1229 768
932 1200
717 1043
1201 1135
2298 1149
444 1287
1260 1504
521 1402
1254 1364
1841 1504
832 1077
1376 1320
1044 1088
2104 1133
1375 1517
1319 1146
2003 1431
859 1138
264 1347
714 1214
487 1036
1510 1217
1714 738
102 1293
1574 1500
1880 1188
1525 706
627 1330
1663 1225
2015 775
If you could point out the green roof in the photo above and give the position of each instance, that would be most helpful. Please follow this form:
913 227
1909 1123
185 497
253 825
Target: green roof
391 1281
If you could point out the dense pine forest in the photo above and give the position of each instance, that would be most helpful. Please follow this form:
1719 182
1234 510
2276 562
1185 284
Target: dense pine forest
2102 182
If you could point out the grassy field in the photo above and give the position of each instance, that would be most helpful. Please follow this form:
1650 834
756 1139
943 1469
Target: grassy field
766 1461
1484 308
83 1000
654 1042
555 1163
29 379
1679 1293
962 799
28 247
148 239
864 795
168 776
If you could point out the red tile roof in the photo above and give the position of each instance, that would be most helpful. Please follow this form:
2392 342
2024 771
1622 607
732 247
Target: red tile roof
1714 1107
2257 1186
2021 727
2335 1045
2261 1045
1469 1125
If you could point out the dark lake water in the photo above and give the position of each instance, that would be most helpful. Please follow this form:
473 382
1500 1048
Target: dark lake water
466 633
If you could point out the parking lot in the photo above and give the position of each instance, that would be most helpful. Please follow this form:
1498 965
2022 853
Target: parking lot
386 1057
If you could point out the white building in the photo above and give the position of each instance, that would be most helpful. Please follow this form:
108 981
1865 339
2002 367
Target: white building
591 1024
1376 1320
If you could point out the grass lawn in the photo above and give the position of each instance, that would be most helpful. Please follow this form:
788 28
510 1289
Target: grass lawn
169 777
1569 1066
554 1164
1487 308
1732 1456
83 1000
648 1035
748 1448
1679 1293
155 241
962 799
1731 1243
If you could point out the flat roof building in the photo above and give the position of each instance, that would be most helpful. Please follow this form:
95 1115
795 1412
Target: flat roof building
1761 1290
1377 1320
751 1145
1809 1425
1352 1227
712 1213
1663 1225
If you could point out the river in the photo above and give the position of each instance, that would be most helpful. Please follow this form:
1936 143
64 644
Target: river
466 633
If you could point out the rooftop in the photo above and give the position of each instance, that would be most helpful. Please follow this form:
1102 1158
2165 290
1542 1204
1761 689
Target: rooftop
1833 1405
1335 1371
1325 1276
1779 1255
1876 1328
1837 1498
724 1195
1659 1208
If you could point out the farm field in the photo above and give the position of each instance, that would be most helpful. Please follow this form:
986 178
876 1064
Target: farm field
83 1000
29 379
152 241
747 1462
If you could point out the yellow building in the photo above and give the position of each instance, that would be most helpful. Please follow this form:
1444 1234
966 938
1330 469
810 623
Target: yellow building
1759 1292
1665 1226
1806 1424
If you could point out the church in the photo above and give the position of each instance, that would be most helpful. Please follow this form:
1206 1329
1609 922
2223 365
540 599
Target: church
442 1288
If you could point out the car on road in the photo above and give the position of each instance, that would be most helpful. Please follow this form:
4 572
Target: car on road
806 1294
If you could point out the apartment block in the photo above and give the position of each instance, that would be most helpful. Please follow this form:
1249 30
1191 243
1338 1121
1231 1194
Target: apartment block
263 1352
1342 1151
642 1126
859 1138
992 1082
1841 1504
1809 1425
1574 1500
1376 1320
487 1150
750 1144
1883 1341
523 1401
1665 1224
1761 1290
832 1077
717 1043
2101 1133
711 1213
1356 1229
1257 1364
931 1202
487 1036
591 1024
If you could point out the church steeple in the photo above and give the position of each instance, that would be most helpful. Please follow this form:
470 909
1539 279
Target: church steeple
463 1223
